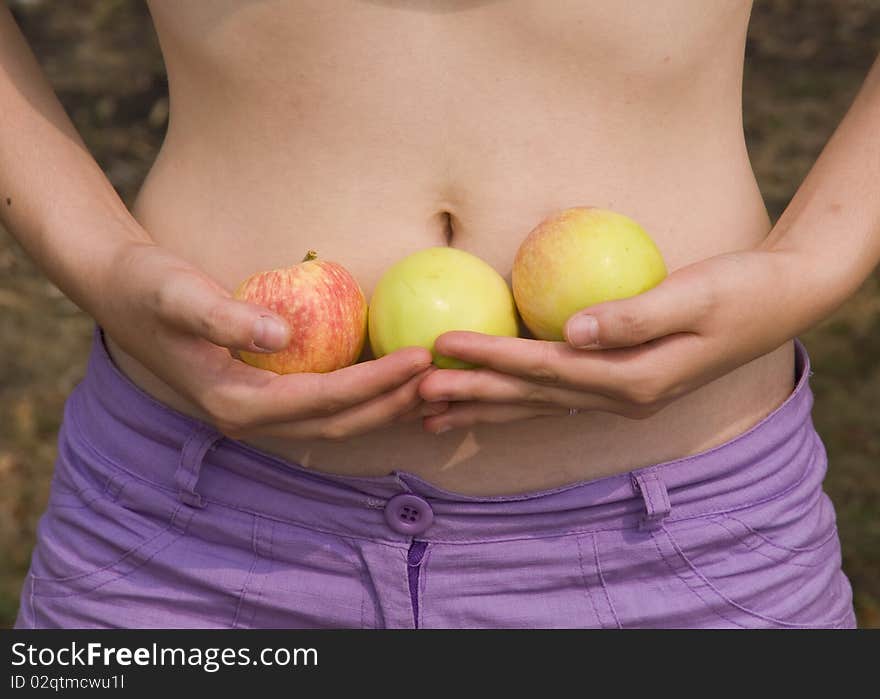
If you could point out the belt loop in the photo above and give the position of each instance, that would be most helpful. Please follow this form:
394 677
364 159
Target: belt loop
191 456
655 497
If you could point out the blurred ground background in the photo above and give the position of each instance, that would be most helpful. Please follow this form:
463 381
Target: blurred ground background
805 61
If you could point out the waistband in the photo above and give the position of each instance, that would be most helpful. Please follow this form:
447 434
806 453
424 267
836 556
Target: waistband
109 417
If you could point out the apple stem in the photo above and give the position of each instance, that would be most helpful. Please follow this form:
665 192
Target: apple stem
310 255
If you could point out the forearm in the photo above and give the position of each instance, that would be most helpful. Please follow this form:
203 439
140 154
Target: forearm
831 229
53 196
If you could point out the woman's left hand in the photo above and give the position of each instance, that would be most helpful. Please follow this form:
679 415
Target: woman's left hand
634 356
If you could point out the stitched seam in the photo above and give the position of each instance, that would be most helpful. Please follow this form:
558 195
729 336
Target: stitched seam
422 587
727 599
181 522
35 625
402 545
115 577
770 498
174 493
757 548
790 549
410 571
363 574
259 591
390 544
687 585
604 586
56 506
384 542
667 504
123 558
243 592
192 455
464 541
363 601
247 578
59 487
646 491
587 591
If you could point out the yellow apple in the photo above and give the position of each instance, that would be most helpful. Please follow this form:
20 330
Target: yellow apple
326 311
578 258
434 291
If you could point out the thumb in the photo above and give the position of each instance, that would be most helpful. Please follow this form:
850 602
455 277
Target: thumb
670 307
200 306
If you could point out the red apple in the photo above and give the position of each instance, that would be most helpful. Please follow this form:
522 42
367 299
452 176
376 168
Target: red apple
325 308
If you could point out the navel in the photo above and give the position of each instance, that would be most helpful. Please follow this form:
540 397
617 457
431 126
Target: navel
449 229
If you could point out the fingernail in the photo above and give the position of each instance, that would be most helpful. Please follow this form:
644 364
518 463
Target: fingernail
420 361
583 331
269 334
443 429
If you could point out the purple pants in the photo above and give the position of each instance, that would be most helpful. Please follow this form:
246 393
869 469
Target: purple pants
156 520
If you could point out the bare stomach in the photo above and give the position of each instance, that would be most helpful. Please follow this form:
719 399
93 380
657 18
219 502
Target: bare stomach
455 133
389 222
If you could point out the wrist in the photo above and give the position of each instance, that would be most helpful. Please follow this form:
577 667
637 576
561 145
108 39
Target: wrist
810 284
82 262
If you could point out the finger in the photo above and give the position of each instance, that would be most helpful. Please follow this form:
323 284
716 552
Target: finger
435 408
368 416
199 306
467 414
487 386
538 360
424 410
270 398
676 305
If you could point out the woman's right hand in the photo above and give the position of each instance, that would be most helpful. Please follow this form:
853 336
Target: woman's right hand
180 325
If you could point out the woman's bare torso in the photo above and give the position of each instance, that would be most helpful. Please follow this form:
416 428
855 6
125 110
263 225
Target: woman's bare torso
368 129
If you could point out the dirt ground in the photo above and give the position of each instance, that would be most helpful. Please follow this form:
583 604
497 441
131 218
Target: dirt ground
805 61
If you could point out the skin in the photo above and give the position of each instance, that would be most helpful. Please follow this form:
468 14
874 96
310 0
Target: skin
460 122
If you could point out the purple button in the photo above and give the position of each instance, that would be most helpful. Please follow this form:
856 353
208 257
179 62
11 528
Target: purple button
408 514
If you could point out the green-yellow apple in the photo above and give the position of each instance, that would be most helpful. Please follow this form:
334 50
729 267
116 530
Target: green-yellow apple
325 308
434 291
577 258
